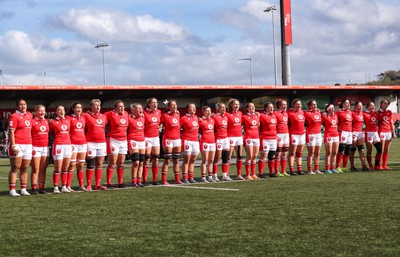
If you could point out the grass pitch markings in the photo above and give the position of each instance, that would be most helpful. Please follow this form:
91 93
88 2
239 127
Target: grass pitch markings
206 188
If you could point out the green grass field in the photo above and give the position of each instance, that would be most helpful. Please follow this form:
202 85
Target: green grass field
350 214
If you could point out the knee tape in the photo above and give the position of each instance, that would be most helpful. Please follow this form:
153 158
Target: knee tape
285 149
176 156
271 155
378 147
347 150
168 156
142 157
135 157
279 149
353 148
225 156
299 154
360 147
155 156
90 163
342 147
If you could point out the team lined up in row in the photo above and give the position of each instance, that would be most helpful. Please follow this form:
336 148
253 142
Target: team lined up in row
80 137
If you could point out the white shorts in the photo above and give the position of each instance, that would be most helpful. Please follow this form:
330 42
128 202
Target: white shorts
235 141
268 145
252 142
191 147
96 150
283 138
298 139
207 147
79 148
136 145
25 151
172 143
330 140
387 136
61 151
346 138
358 135
116 146
372 137
39 151
222 144
314 139
152 141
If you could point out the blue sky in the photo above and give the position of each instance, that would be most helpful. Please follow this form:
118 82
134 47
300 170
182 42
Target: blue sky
194 42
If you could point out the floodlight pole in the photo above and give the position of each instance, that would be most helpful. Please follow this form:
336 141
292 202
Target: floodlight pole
251 69
272 9
102 45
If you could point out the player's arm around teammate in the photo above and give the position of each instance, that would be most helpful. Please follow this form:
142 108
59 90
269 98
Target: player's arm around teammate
297 137
20 147
345 135
313 137
136 143
282 130
386 131
358 136
207 144
40 149
331 138
190 142
235 135
251 123
372 136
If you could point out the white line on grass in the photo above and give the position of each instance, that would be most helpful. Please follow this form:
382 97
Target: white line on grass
207 188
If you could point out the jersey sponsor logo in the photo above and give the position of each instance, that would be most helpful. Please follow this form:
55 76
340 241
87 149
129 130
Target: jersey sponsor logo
154 119
194 123
64 127
168 142
333 122
273 121
316 117
133 144
139 124
279 139
369 138
329 139
99 121
123 121
311 138
301 117
42 128
254 122
90 152
248 141
284 119
10 123
210 126
237 120
373 119
113 149
265 147
343 138
187 147
294 141
205 146
79 125
382 136
224 123
231 141
174 120
27 123
219 146
348 116
58 151
386 118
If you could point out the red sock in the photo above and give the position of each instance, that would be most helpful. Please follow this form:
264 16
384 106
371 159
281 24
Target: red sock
41 186
109 175
154 170
369 160
339 159
69 179
247 167
309 168
139 180
33 186
378 159
385 157
81 178
271 167
215 168
177 176
299 168
239 167
56 177
120 173
64 178
276 164
345 160
145 173
97 176
283 165
261 167
89 177
134 180
291 168
24 186
327 167
316 167
163 176
253 169
11 186
191 175
225 168
184 175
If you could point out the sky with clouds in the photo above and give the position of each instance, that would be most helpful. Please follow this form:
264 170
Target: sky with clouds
185 42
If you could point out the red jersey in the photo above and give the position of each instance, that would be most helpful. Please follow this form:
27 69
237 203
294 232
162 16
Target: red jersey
21 123
268 126
282 125
371 121
220 126
61 129
206 130
234 124
296 122
330 123
171 125
385 121
78 125
40 132
136 128
118 125
313 119
95 127
345 120
152 122
190 126
251 123
358 120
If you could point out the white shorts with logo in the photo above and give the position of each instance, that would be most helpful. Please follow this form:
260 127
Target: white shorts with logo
372 137
346 138
357 135
314 139
330 140
116 146
252 142
25 151
191 147
298 139
172 143
61 151
96 149
387 136
268 145
39 151
235 141
222 144
136 145
207 147
283 138
152 141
